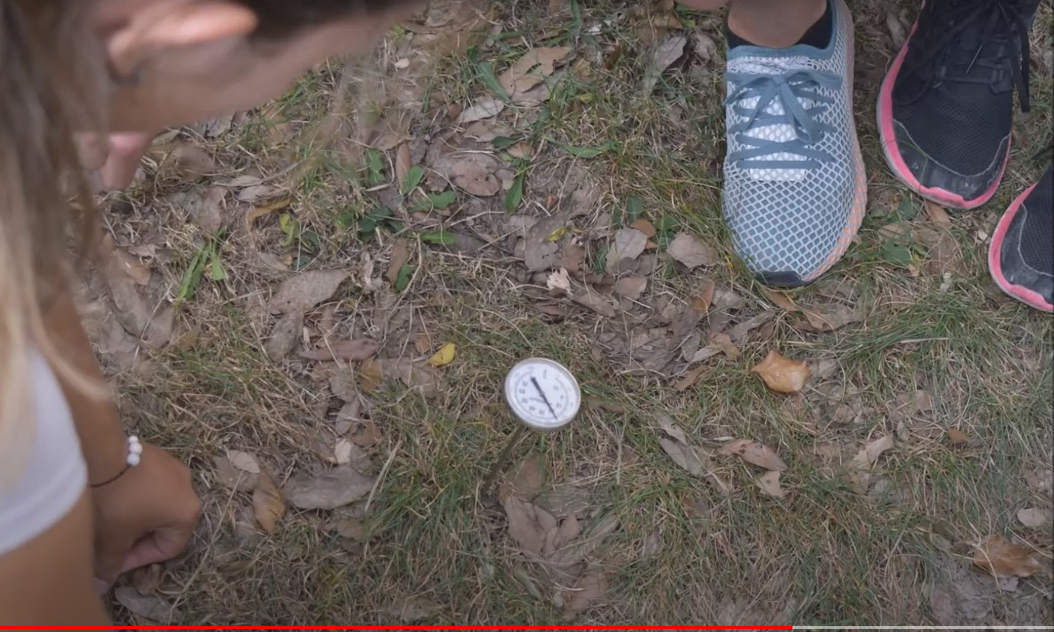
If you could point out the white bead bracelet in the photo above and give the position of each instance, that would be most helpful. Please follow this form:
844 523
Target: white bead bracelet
135 450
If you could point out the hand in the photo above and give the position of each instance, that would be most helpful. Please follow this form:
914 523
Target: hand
144 517
113 159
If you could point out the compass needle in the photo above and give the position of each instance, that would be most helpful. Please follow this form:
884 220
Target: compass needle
545 399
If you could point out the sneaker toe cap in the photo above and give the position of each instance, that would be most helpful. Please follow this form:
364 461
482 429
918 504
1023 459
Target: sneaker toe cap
943 182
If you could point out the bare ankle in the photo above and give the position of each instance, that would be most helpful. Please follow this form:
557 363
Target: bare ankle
774 23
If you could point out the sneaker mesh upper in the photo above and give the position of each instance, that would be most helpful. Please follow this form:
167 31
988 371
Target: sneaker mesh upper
786 219
1037 238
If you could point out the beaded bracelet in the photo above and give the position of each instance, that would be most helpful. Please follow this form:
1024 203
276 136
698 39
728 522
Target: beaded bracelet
135 449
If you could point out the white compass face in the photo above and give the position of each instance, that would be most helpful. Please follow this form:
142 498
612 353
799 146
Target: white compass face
542 394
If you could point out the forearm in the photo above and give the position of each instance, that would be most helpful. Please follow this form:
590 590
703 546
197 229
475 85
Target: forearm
102 437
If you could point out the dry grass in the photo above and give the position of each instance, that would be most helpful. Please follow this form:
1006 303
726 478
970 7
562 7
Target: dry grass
682 553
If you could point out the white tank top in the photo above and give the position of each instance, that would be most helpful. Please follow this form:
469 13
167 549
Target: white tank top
53 475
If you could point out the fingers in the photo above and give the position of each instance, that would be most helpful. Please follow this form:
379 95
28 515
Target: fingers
167 542
110 554
125 153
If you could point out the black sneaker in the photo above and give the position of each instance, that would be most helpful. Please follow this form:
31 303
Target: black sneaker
946 106
1021 256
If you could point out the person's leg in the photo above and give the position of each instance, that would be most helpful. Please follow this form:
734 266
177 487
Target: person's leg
769 23
794 183
945 111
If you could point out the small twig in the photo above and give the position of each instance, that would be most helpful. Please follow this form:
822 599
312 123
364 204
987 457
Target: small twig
380 477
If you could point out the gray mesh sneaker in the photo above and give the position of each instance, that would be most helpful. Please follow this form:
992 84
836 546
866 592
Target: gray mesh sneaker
795 187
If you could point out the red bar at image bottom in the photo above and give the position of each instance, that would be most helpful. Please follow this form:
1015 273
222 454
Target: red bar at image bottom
404 627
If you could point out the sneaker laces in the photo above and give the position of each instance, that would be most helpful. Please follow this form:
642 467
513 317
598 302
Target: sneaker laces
977 31
789 90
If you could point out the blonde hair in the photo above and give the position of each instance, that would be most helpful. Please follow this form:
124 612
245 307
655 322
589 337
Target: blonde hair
52 91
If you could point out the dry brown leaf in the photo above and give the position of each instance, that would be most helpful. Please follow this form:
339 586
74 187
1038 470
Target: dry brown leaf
306 290
415 609
420 378
875 449
670 50
351 350
342 451
586 590
937 214
193 160
243 461
832 318
423 343
755 453
559 281
705 297
367 436
539 251
781 374
203 206
348 528
234 478
528 71
780 299
703 45
691 252
629 244
557 539
631 286
1003 559
897 32
689 378
137 315
603 305
694 461
369 375
528 524
671 428
348 415
860 467
472 172
485 108
521 150
725 344
528 479
403 163
1033 517
645 227
151 607
268 505
132 266
251 195
147 579
957 436
284 336
342 486
558 6
652 545
769 482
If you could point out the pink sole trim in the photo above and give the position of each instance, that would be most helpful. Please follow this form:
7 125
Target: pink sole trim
995 249
892 151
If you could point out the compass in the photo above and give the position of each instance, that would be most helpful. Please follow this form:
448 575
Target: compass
542 394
